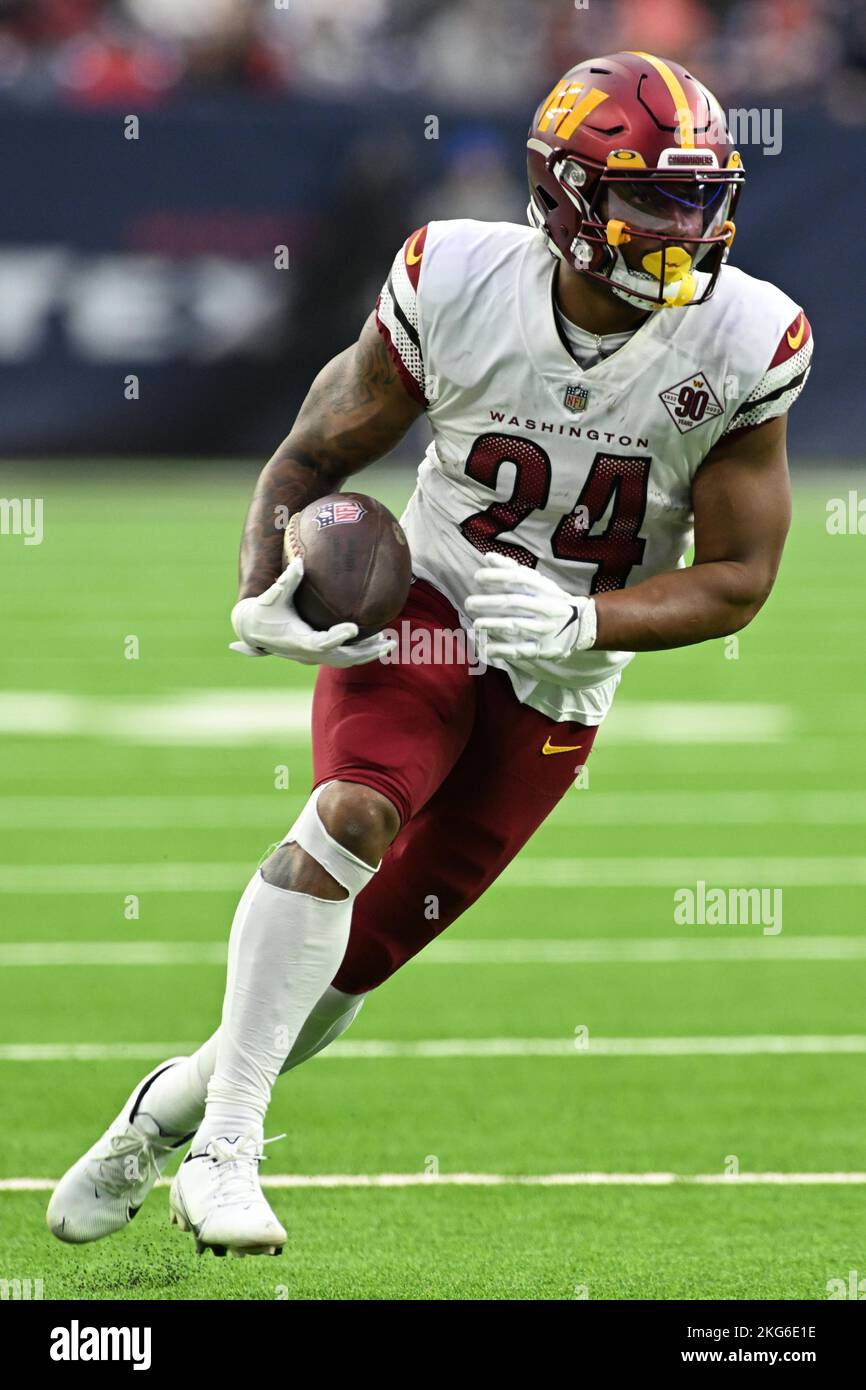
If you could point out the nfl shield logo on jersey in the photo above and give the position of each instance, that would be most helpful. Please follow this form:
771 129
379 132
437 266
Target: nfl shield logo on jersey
576 398
339 514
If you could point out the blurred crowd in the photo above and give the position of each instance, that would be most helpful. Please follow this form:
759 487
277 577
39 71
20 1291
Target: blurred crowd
476 53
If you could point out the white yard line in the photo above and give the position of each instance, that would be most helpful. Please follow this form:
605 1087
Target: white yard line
224 717
589 951
33 812
152 812
427 1049
94 1052
195 877
773 871
643 950
112 953
593 807
200 717
598 1047
528 871
379 1180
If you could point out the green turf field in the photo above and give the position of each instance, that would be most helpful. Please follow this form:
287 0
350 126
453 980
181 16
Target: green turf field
568 1025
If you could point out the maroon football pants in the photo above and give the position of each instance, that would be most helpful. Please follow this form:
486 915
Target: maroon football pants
472 772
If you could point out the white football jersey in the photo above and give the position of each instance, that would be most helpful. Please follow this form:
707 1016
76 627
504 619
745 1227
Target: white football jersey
585 475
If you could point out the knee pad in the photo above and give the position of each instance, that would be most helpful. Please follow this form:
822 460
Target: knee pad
347 869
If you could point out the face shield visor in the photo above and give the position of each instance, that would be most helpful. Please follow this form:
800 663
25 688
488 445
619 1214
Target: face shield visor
683 212
657 237
669 235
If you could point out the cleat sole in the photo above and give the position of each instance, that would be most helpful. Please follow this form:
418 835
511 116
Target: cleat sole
201 1248
177 1218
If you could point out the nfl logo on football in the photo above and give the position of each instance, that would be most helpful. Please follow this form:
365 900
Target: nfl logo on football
576 398
339 514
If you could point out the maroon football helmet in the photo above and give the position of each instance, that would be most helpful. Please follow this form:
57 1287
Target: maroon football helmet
633 148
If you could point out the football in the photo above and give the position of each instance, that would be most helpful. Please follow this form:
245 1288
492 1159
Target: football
357 566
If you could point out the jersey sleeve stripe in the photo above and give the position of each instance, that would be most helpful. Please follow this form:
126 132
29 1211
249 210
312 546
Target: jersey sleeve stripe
398 321
759 412
784 371
782 382
408 328
401 349
795 384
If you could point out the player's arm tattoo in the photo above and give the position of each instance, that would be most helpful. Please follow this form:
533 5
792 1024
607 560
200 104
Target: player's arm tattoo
356 410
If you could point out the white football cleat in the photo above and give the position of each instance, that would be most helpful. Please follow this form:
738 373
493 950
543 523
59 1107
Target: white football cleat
103 1191
217 1195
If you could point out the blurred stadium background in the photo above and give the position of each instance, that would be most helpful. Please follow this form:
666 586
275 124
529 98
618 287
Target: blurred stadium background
307 126
142 780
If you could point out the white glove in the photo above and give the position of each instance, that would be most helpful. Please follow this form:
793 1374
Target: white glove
525 616
270 625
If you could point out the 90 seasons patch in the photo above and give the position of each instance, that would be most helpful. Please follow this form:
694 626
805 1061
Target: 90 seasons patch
691 402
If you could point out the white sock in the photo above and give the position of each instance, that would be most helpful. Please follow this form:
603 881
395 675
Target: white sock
330 1018
177 1098
287 947
284 950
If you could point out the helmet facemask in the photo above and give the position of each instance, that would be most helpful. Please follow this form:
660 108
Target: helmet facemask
678 221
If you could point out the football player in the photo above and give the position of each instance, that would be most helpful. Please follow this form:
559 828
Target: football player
602 389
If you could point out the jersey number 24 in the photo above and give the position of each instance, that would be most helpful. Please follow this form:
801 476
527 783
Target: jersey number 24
620 477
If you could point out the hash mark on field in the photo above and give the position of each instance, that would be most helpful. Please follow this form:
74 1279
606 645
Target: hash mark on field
379 1180
526 872
457 951
446 1048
